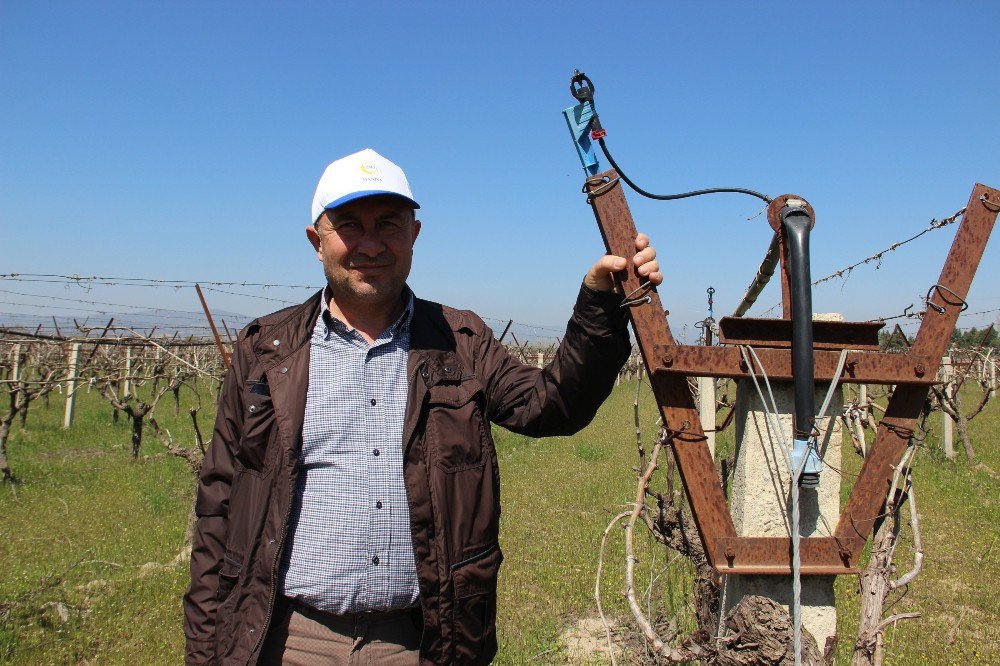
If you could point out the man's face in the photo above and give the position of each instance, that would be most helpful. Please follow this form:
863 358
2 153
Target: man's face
366 247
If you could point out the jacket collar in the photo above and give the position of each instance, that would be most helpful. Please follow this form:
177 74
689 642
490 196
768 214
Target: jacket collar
432 338
291 330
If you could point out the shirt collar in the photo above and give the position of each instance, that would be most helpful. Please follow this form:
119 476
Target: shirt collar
331 323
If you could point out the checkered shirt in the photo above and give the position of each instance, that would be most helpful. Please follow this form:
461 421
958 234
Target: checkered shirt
349 547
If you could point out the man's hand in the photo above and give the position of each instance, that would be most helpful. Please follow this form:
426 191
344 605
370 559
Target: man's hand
598 277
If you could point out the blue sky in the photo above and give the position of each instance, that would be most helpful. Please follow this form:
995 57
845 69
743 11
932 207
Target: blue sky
183 141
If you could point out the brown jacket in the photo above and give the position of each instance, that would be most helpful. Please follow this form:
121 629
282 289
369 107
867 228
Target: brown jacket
460 379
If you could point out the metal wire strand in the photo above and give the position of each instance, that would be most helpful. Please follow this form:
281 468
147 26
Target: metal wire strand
638 296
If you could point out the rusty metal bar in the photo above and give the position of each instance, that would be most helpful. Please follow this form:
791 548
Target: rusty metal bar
505 329
762 277
859 368
896 428
680 418
834 335
93 351
773 555
229 336
211 323
670 365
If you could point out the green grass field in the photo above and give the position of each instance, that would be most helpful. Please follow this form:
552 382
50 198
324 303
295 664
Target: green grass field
87 539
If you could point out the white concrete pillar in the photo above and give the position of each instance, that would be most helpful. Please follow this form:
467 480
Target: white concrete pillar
993 377
759 499
706 410
16 373
947 423
127 384
74 357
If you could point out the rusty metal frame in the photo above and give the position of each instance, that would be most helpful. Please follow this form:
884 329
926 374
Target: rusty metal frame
669 364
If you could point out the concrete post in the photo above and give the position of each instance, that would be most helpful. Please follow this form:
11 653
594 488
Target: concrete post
993 377
16 374
760 495
541 360
947 423
706 409
126 385
74 357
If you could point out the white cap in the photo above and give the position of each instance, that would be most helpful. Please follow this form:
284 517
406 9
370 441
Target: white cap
361 174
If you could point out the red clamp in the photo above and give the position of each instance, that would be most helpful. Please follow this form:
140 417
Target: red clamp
598 134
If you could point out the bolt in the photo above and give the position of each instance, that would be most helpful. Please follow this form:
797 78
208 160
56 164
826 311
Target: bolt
919 369
730 552
668 360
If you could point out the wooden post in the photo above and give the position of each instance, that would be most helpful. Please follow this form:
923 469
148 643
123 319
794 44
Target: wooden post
74 357
947 423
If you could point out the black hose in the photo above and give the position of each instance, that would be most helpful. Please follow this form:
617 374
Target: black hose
683 195
797 224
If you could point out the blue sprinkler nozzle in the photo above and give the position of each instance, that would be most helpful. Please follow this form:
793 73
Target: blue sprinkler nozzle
580 120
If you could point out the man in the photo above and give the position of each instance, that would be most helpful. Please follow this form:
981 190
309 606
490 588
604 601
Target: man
348 507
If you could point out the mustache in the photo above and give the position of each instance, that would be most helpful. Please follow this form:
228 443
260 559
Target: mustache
369 263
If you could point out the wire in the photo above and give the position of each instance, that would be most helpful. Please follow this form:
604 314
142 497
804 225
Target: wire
682 195
183 314
150 312
877 257
139 282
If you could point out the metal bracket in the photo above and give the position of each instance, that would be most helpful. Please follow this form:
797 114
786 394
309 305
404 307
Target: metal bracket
670 365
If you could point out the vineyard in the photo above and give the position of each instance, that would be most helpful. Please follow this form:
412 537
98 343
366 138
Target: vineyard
106 425
103 435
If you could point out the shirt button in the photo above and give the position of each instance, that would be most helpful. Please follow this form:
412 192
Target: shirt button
378 504
284 370
375 560
374 401
375 452
276 343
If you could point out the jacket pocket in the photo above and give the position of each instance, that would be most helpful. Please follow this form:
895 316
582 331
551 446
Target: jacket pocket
474 581
229 573
227 595
258 431
455 427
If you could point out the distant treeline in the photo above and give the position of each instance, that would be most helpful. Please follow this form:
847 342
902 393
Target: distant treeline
971 337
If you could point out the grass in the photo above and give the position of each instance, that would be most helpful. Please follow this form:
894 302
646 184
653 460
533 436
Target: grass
85 531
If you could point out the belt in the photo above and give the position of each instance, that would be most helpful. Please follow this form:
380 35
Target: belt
351 619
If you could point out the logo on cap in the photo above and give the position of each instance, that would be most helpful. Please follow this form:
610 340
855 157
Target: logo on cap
369 169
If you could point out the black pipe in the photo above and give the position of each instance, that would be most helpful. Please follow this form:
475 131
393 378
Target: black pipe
797 224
